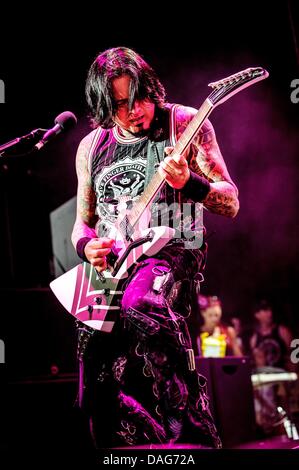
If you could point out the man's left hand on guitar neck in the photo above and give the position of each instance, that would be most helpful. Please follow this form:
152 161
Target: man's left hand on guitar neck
174 169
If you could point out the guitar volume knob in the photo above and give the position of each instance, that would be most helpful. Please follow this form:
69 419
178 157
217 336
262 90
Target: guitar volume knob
105 292
90 310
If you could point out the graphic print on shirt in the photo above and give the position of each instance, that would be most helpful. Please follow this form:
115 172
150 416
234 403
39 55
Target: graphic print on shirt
118 186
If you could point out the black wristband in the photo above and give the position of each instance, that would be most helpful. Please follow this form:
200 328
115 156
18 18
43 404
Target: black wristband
197 188
80 248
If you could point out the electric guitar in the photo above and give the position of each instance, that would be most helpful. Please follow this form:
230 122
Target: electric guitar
95 298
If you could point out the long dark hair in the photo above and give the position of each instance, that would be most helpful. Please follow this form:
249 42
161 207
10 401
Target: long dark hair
111 64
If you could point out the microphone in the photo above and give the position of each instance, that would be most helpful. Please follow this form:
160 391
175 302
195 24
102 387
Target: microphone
63 122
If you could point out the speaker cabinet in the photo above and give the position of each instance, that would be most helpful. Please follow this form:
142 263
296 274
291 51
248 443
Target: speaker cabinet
46 425
62 221
231 397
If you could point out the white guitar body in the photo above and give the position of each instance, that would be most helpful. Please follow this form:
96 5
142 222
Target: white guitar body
95 298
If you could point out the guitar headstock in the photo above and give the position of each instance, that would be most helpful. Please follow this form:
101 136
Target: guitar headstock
227 87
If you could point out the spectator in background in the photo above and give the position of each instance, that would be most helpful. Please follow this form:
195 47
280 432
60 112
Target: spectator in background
270 341
215 337
237 325
243 332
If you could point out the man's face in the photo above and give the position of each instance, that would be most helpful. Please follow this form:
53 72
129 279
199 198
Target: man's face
138 120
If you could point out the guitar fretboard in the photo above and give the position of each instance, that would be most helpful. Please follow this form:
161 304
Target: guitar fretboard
157 181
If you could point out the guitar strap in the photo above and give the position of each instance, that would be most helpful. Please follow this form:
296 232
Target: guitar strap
155 149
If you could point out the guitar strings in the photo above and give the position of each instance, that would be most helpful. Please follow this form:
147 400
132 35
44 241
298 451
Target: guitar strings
125 224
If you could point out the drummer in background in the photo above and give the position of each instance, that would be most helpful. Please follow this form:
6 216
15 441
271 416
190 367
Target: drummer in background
215 339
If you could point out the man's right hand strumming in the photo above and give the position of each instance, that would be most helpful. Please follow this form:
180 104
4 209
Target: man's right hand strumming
96 251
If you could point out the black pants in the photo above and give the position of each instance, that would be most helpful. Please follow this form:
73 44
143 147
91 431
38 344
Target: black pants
138 383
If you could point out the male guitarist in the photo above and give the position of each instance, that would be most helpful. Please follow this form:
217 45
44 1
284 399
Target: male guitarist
138 383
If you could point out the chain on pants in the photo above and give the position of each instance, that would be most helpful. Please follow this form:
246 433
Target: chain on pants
140 380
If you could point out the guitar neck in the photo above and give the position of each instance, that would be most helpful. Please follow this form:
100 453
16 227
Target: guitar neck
193 127
182 144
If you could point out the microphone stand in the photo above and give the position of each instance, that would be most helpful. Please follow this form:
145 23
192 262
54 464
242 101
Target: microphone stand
6 151
36 133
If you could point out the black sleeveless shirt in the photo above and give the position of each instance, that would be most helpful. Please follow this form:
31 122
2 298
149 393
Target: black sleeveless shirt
119 169
273 347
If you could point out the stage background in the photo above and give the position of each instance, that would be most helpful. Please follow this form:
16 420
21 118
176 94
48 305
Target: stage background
44 66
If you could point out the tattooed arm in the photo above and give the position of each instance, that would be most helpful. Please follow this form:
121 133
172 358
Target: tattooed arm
206 160
96 249
86 198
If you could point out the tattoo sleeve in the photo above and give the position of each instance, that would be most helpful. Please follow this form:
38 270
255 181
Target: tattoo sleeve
86 198
205 159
